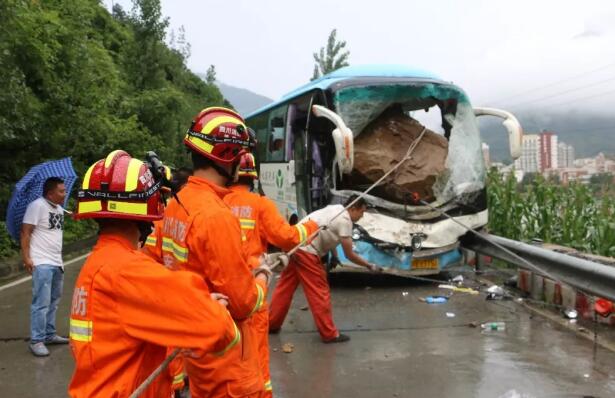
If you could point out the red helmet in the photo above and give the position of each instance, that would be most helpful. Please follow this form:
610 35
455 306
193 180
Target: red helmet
247 166
219 134
120 187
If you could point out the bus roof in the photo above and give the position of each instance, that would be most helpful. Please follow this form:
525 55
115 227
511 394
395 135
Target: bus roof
351 72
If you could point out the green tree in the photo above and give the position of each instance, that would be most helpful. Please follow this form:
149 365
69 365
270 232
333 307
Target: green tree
331 58
210 75
79 81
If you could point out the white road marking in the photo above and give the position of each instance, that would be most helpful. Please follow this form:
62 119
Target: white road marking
27 278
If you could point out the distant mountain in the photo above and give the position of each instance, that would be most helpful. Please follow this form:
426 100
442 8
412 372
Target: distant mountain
243 100
588 134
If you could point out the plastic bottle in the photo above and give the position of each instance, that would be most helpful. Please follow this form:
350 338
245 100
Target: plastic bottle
435 300
493 326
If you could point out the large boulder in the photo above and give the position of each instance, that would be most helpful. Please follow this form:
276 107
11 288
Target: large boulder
383 143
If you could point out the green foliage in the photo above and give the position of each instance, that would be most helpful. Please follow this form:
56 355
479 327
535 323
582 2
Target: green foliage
331 58
78 81
575 215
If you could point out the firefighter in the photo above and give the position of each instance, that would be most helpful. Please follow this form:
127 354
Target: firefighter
262 224
122 317
200 234
306 268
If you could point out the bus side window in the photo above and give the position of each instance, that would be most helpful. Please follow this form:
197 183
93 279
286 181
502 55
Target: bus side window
276 135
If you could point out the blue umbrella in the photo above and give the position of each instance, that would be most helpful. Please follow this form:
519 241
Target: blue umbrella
30 188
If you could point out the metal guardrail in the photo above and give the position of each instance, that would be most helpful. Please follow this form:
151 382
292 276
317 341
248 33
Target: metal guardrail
587 276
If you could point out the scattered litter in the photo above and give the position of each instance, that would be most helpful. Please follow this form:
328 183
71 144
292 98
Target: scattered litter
570 313
512 281
586 376
458 289
275 350
583 330
603 307
450 314
368 288
404 294
495 292
458 279
288 347
519 300
304 308
434 299
493 326
573 321
495 289
473 324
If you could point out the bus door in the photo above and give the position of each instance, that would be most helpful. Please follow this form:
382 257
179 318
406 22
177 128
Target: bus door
276 176
298 116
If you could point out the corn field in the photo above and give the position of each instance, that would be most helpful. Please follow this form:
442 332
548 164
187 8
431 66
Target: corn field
576 215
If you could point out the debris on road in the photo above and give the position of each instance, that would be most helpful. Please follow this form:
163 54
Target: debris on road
434 299
495 289
493 326
450 314
404 294
473 324
459 289
570 313
458 279
304 308
288 347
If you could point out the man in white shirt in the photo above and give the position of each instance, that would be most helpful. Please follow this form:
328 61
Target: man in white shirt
41 249
306 267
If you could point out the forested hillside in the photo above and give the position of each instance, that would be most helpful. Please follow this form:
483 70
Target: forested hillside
78 81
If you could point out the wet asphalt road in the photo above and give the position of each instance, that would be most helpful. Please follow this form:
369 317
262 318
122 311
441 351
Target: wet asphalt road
400 347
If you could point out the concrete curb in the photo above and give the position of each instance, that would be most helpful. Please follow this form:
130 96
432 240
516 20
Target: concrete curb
552 292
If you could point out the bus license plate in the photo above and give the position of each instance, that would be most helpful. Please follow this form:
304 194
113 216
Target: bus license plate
419 263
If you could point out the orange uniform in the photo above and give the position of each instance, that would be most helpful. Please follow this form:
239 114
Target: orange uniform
261 223
127 310
174 375
201 235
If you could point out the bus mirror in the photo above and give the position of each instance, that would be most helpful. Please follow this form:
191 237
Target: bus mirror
512 125
342 137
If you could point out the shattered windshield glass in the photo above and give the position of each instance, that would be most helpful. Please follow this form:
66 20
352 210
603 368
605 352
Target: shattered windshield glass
385 119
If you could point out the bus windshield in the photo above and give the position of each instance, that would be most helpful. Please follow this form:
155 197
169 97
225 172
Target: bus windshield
443 109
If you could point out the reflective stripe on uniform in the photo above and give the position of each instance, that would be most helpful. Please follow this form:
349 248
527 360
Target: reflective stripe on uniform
179 378
151 241
232 344
268 386
179 252
247 223
259 299
80 330
302 232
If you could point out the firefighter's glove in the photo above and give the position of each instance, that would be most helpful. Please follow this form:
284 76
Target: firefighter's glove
263 269
276 261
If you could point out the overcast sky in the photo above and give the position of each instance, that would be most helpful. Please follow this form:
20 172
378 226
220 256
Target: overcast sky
496 50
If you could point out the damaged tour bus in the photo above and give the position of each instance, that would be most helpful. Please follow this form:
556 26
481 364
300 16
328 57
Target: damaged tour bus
337 135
